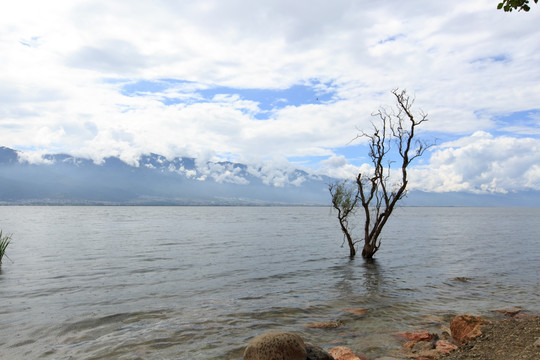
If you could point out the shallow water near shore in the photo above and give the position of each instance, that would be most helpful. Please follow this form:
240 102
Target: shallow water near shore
200 282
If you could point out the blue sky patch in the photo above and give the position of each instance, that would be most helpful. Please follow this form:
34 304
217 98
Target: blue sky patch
519 124
143 87
391 38
268 99
491 59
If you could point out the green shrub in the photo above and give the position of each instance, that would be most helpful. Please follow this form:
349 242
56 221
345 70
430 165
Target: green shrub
4 242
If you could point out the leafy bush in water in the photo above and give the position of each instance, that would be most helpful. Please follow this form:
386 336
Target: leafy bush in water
4 242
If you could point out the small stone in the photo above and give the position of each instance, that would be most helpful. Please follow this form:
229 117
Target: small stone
324 325
276 346
357 311
315 352
537 343
523 316
510 311
417 335
445 347
409 345
345 353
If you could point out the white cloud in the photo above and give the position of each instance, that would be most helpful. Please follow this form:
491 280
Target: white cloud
481 163
64 63
222 173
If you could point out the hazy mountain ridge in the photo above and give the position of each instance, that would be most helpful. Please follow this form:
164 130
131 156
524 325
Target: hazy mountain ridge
64 179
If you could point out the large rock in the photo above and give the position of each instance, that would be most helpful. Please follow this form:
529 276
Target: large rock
464 328
276 346
315 352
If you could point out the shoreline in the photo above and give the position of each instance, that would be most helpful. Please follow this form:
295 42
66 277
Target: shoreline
508 334
506 338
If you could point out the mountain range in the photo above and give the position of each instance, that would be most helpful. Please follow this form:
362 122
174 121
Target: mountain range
65 179
61 179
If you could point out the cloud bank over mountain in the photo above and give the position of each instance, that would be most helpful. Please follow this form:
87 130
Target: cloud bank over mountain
64 179
61 179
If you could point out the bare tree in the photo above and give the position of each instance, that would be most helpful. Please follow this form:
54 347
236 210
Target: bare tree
344 200
392 139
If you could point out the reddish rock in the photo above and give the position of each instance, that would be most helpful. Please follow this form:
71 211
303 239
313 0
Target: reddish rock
522 316
464 328
417 335
445 346
276 346
510 311
357 311
345 353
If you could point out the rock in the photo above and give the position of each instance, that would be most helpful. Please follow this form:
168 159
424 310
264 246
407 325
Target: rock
409 345
417 335
325 325
445 333
357 311
445 346
421 346
537 343
276 346
510 311
523 316
387 358
344 353
464 328
315 352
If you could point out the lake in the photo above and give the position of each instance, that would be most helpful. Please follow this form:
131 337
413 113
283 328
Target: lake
200 282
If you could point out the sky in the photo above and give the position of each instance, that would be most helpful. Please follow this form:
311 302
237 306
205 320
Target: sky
279 83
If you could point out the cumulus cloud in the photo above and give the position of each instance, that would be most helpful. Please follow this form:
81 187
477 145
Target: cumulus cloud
481 163
66 68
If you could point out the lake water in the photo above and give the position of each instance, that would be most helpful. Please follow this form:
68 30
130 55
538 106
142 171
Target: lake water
199 282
